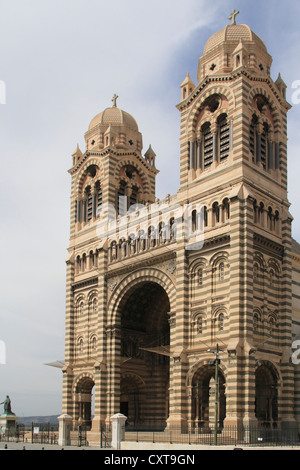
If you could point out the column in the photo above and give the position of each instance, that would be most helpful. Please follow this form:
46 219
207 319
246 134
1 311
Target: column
84 210
215 145
78 212
118 430
178 339
270 153
192 155
199 164
65 426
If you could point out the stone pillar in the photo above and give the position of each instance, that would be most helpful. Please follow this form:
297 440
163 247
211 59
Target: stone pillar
118 430
8 423
65 426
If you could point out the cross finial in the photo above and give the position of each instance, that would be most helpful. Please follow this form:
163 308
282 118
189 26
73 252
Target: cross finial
114 100
233 16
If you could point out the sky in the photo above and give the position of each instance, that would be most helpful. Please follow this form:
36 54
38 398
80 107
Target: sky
61 63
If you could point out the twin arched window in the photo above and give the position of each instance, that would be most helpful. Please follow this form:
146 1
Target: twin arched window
264 150
212 144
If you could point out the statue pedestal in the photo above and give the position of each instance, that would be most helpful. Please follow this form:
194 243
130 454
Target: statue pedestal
8 423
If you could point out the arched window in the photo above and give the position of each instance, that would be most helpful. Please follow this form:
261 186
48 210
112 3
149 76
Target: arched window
83 263
272 277
122 199
271 325
216 212
226 210
223 137
205 215
98 198
221 272
276 222
78 265
89 203
221 322
134 196
270 218
80 345
255 322
264 151
194 221
200 277
200 325
255 272
255 211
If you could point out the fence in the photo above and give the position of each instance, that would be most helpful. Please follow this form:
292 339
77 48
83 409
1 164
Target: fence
246 436
37 433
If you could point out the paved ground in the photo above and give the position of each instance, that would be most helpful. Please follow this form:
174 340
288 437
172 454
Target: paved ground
26 446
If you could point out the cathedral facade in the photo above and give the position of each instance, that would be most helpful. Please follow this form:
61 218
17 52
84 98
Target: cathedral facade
148 299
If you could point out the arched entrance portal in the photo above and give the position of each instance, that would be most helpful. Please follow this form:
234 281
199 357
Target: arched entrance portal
266 395
203 398
83 404
145 340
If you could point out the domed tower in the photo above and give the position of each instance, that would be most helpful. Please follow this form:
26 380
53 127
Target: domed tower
234 162
112 170
107 179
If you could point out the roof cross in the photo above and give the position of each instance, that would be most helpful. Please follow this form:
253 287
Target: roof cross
114 100
233 16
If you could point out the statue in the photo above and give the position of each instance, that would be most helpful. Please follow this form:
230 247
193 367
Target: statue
7 406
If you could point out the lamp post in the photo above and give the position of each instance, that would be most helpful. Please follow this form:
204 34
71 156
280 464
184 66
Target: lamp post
217 361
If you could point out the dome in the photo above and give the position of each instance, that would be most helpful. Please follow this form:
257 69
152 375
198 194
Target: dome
116 117
234 34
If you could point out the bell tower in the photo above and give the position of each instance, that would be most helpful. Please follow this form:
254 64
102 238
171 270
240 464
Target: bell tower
234 161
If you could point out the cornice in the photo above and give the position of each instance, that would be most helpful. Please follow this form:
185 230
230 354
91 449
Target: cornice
86 283
140 264
269 246
111 151
228 78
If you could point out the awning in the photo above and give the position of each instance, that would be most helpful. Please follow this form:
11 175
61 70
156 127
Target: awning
58 364
161 350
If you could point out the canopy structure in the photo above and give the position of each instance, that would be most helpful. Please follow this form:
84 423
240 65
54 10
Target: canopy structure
58 364
162 350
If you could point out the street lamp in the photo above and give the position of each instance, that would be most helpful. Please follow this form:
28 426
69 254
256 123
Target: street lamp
216 363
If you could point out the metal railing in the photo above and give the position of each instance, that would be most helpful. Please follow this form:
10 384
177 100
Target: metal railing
229 436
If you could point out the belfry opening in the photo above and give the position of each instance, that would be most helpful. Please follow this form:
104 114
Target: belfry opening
144 355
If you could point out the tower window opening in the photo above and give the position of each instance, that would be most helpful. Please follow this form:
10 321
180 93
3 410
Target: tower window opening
134 196
207 145
90 207
224 138
216 212
222 272
264 145
200 277
99 198
122 199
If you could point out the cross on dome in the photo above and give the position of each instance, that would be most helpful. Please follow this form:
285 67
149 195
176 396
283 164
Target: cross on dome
233 16
114 100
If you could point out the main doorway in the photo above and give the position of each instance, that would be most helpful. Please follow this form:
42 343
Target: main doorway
145 343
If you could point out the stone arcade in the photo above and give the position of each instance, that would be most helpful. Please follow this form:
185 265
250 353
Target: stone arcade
142 311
